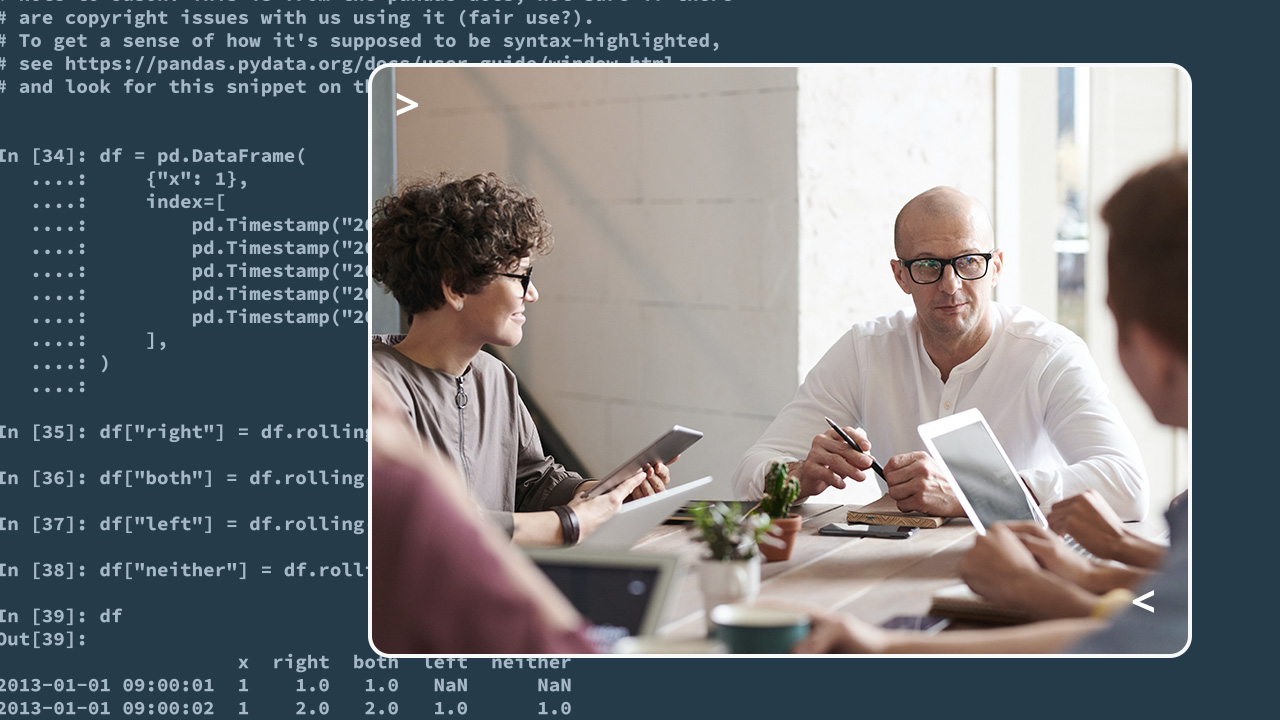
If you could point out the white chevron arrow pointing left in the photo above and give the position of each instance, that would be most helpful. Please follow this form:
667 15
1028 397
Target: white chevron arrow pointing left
1144 606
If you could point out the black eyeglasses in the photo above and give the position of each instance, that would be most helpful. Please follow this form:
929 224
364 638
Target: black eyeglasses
926 271
524 279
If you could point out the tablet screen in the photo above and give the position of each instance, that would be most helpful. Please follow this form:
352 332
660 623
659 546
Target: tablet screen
979 468
665 449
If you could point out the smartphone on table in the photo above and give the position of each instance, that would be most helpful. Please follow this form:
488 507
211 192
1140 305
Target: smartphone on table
868 530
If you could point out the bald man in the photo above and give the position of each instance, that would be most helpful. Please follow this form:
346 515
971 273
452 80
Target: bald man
955 349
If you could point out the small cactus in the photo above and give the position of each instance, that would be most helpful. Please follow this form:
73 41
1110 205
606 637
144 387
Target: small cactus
728 532
780 491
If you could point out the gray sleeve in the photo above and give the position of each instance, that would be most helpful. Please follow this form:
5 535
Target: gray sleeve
504 520
541 482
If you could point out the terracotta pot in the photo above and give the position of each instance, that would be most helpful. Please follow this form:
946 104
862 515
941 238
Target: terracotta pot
784 531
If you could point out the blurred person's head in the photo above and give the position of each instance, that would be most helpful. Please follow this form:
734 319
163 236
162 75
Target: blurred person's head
1148 286
454 243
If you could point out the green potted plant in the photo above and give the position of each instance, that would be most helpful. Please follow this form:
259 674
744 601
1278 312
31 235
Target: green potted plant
731 571
780 493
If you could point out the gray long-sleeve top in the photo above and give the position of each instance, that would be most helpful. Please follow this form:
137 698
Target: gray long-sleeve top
478 423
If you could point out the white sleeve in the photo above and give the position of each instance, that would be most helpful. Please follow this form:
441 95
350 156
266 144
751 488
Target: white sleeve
827 390
1085 427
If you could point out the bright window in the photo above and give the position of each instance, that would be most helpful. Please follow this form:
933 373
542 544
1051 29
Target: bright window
1072 239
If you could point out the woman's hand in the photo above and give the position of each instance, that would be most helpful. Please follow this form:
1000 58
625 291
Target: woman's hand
840 634
1003 569
592 513
1090 521
998 565
1054 555
656 478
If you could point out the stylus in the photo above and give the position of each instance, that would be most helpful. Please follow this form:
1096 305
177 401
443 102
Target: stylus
845 436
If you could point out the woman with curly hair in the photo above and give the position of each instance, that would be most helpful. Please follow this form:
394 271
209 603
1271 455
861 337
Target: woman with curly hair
457 254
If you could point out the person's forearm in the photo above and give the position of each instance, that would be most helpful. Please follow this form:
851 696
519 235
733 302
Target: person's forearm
1052 636
1140 552
537 529
1046 596
1104 578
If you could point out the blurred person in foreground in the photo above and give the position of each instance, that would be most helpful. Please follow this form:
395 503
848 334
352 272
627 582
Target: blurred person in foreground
444 580
457 254
1148 287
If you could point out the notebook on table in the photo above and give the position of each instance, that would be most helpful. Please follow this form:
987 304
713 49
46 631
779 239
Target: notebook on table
885 512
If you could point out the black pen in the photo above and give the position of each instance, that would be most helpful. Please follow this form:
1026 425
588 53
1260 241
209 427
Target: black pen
874 465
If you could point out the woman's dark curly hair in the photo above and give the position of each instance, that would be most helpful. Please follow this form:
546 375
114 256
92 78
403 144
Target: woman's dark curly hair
459 231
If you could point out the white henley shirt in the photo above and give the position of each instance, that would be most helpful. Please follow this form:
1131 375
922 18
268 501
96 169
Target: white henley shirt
1033 380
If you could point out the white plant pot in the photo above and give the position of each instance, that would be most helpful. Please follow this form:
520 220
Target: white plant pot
728 582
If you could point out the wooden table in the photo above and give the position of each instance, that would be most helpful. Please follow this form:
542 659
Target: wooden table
873 579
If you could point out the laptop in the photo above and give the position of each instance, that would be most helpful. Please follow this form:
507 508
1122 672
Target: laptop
621 593
984 481
638 517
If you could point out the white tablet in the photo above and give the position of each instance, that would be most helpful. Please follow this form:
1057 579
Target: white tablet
637 517
664 450
985 482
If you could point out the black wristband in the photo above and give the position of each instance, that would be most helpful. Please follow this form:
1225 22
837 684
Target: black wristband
569 528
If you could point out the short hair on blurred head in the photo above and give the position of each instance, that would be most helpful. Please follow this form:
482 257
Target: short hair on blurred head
1147 252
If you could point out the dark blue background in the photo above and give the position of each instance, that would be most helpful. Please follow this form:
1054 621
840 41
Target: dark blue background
268 374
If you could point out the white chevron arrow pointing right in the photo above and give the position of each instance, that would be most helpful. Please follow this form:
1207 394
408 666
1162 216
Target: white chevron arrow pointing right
406 109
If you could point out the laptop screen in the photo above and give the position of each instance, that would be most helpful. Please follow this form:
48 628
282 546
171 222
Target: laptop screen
607 596
975 461
620 594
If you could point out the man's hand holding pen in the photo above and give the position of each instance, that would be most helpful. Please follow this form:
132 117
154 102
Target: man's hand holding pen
831 459
915 480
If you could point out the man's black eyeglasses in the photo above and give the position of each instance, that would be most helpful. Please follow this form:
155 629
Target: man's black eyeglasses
926 271
524 280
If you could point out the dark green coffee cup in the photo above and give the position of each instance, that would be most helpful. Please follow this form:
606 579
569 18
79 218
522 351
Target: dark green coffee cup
756 630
